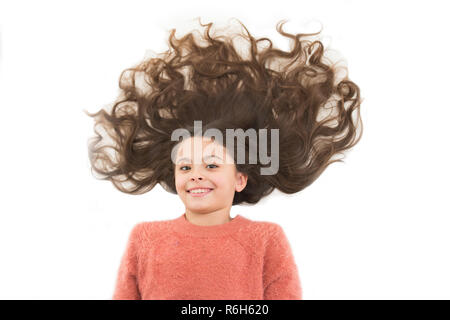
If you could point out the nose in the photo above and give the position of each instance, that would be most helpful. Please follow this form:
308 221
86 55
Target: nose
196 174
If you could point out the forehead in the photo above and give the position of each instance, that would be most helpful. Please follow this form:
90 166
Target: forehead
201 147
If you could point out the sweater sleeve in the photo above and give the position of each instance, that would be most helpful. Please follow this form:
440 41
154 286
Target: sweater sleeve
281 280
126 286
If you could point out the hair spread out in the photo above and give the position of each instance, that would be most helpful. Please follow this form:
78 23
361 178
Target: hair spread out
294 91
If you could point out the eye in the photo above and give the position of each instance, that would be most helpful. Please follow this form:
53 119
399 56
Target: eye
181 168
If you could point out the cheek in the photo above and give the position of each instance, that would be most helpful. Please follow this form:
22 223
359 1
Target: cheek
223 183
179 182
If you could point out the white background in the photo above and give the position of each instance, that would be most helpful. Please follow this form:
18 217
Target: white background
373 227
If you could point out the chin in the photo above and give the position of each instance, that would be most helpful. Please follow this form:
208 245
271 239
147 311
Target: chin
201 210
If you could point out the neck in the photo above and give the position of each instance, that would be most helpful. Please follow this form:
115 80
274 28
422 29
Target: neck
209 218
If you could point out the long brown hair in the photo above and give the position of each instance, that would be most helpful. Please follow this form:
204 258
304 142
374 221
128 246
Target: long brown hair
214 83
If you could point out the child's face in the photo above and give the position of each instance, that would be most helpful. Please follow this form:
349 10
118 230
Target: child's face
210 167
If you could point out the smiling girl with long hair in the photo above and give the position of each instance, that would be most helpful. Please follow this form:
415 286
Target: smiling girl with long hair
204 254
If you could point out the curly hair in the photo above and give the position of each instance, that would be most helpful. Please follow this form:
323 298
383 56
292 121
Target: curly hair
213 82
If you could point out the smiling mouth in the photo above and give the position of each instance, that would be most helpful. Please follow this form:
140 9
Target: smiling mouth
201 193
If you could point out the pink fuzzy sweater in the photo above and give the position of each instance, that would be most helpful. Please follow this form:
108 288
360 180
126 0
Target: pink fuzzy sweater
177 260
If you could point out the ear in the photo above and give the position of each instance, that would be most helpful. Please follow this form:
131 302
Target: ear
241 181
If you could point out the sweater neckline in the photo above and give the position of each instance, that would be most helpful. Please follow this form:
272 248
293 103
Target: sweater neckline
182 225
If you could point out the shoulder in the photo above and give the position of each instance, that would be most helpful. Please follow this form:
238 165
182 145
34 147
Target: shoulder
264 229
257 235
150 231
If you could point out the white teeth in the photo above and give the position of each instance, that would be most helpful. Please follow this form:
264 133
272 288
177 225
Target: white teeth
199 191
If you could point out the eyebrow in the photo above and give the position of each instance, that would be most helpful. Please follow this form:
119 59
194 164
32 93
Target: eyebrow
207 157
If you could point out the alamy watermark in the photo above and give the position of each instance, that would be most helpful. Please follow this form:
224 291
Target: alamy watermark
231 134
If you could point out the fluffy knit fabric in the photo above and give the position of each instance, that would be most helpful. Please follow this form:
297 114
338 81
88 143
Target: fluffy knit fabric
177 260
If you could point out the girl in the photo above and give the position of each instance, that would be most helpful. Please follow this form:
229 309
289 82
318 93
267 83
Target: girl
203 253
